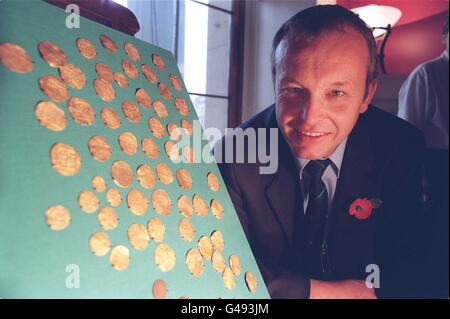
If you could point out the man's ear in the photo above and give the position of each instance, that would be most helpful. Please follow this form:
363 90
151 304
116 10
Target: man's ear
371 89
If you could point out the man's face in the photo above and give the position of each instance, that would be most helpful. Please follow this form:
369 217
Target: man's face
320 91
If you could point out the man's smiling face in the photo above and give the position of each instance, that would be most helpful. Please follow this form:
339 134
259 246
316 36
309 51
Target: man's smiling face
321 90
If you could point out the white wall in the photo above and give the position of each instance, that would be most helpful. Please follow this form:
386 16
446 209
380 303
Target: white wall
263 18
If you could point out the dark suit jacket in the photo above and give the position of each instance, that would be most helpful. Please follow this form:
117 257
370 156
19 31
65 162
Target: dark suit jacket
382 160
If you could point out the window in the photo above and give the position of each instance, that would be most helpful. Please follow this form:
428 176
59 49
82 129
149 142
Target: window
206 39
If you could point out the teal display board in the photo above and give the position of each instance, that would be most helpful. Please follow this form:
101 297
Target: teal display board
86 246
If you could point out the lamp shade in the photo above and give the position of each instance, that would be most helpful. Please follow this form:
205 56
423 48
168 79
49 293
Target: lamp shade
378 17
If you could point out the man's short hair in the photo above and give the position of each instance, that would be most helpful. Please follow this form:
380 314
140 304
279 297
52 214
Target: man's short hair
310 23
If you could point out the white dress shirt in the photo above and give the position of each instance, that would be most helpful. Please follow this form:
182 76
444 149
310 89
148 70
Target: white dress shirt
423 100
330 175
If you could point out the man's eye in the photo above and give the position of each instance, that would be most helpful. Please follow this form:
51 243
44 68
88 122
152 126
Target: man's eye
294 90
337 93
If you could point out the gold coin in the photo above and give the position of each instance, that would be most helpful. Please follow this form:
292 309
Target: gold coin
110 118
164 257
194 262
174 131
184 205
156 127
128 143
88 202
137 202
99 184
73 76
218 261
172 151
159 289
113 197
181 106
161 202
187 231
184 179
130 69
217 208
108 43
57 217
15 58
65 159
121 174
138 236
156 229
145 176
120 79
235 265
250 280
86 48
188 154
228 279
187 126
81 111
217 240
150 148
213 181
104 90
205 247
160 109
132 51
54 88
143 98
158 61
200 206
119 257
50 116
104 72
149 73
99 148
164 91
176 83
108 218
51 53
131 112
99 243
164 173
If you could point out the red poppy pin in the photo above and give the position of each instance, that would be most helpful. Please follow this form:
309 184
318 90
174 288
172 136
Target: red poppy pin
362 208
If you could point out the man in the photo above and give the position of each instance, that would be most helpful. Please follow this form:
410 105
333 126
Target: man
312 225
423 98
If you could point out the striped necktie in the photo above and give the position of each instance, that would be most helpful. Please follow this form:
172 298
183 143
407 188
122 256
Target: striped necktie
316 213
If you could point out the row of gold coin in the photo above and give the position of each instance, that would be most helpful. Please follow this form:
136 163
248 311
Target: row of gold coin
136 199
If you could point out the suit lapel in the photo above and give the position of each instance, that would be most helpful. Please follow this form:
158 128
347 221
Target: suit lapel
357 176
282 189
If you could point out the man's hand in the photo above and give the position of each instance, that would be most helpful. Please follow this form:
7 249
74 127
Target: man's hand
346 289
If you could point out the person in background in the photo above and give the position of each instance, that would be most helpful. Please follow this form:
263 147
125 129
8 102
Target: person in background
423 98
423 101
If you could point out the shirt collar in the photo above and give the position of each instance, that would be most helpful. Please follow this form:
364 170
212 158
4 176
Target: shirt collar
336 159
445 55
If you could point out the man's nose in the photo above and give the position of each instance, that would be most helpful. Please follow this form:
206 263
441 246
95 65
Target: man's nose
312 111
